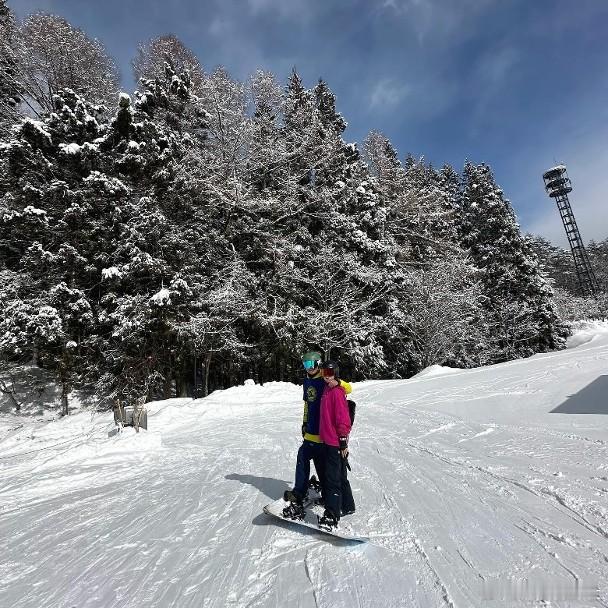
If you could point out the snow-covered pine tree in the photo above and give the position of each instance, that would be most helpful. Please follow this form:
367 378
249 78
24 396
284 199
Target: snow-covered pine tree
341 216
449 184
52 234
521 316
266 155
301 139
598 256
556 263
430 277
384 164
149 63
151 278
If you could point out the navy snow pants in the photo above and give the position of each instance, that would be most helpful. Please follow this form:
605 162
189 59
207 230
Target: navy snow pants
309 450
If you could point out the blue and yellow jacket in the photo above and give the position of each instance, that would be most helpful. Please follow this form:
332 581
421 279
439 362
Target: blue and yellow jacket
313 391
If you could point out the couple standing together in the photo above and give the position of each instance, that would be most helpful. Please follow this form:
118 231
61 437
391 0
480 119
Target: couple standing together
325 431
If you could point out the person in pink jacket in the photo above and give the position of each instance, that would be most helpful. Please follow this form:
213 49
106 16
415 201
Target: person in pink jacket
334 429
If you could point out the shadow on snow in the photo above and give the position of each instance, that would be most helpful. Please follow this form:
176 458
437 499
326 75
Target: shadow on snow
272 488
593 399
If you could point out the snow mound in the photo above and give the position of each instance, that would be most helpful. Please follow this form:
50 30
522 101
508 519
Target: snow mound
250 392
248 397
435 370
585 332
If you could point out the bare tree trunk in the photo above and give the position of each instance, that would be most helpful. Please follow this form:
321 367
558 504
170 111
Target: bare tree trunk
168 382
207 366
180 384
65 390
194 395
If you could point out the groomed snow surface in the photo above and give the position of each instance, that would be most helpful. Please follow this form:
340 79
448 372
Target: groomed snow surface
485 487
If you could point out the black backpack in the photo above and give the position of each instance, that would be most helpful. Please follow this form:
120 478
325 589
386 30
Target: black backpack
351 410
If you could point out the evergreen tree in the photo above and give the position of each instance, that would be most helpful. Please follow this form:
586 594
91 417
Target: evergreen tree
556 263
325 103
266 152
598 256
152 56
517 298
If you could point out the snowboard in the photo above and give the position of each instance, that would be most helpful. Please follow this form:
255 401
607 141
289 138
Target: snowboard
311 519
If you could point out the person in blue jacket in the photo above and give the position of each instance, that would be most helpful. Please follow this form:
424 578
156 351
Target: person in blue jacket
312 447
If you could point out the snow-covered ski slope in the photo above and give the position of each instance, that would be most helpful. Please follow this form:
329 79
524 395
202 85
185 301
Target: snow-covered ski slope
472 485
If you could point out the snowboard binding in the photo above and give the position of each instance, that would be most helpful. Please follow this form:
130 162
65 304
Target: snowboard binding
328 522
294 511
314 483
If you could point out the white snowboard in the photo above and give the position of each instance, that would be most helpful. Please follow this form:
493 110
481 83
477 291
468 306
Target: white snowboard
313 512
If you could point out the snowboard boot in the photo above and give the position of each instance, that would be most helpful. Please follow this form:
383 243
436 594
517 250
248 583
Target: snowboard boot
292 497
328 522
295 508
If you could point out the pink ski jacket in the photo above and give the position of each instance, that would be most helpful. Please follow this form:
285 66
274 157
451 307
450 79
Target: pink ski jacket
335 419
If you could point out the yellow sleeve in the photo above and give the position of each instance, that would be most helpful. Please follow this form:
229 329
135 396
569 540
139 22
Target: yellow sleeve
348 389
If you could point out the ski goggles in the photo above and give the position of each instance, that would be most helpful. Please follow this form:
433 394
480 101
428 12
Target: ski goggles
309 364
328 372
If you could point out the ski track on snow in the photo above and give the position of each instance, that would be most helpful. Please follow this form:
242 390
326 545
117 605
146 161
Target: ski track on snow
461 480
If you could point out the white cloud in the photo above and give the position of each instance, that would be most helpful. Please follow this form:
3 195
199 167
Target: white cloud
495 66
438 19
303 10
219 27
387 93
490 78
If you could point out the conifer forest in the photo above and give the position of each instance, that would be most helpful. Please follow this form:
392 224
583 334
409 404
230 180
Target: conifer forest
200 231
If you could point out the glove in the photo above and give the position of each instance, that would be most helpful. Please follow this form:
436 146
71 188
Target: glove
343 442
303 430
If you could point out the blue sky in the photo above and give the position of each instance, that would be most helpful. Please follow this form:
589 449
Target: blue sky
518 84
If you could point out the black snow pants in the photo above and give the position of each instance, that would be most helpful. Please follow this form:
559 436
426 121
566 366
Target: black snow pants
337 492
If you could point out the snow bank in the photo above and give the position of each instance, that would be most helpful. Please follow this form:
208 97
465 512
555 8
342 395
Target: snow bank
238 400
435 370
585 332
250 392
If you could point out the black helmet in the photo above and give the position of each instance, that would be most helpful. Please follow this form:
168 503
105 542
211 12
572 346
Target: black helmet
331 368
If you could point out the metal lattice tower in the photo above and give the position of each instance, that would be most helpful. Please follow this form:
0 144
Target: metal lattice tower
558 185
